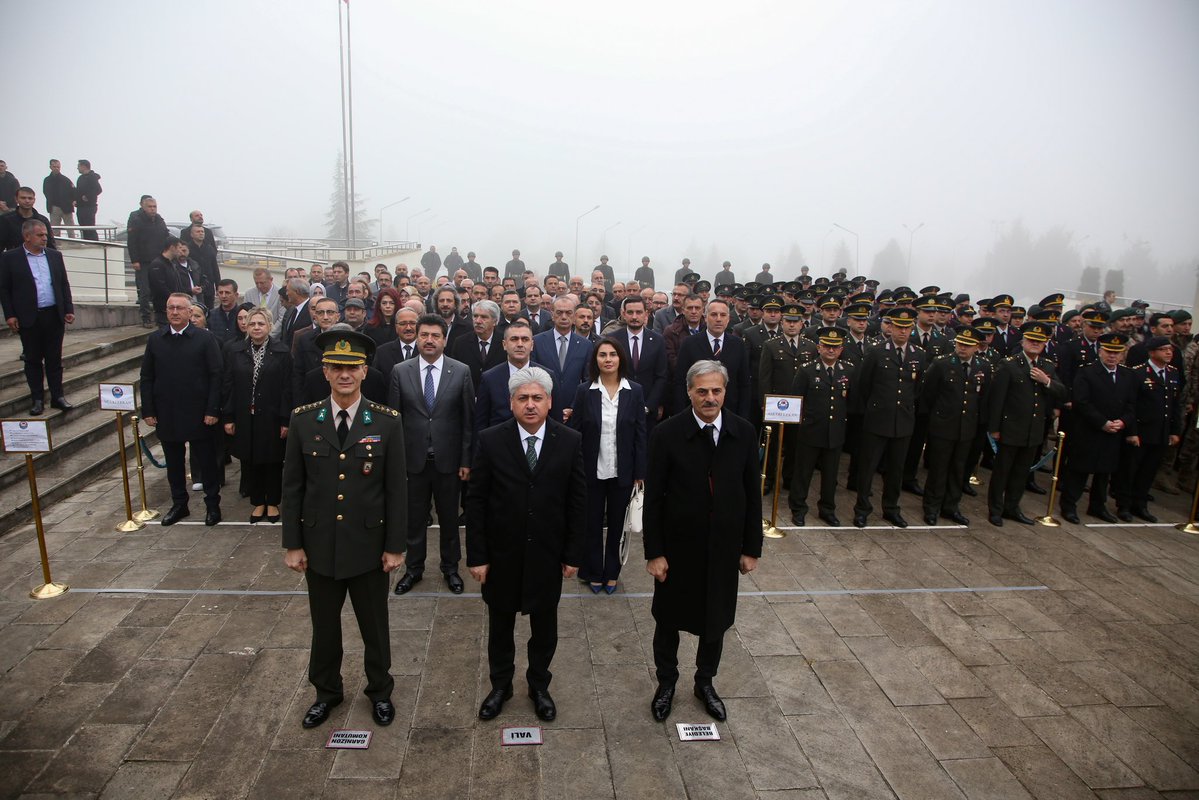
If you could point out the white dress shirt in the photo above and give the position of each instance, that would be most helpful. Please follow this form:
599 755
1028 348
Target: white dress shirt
605 466
351 412
438 366
524 437
716 422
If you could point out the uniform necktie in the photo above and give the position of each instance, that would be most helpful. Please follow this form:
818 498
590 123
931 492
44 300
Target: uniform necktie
715 348
343 426
710 432
794 347
562 340
407 352
531 452
636 353
482 350
429 387
1113 376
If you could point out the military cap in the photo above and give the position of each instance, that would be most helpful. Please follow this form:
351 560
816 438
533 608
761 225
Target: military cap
859 310
1049 315
961 298
945 301
735 286
872 283
861 297
986 326
986 304
1036 331
830 300
1052 300
792 311
778 287
807 297
926 302
1018 312
901 317
903 295
1101 305
772 302
932 289
969 335
886 298
1069 315
1155 342
345 347
831 337
755 301
1180 315
691 277
821 281
355 302
858 280
965 311
1093 316
1034 309
1113 342
741 293
754 287
792 288
725 290
1121 313
1001 300
702 286
1139 304
805 280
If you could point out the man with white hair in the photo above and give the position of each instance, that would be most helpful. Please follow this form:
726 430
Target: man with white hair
524 533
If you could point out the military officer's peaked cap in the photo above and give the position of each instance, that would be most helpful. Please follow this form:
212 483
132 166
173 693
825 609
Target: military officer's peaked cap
793 288
858 310
901 317
772 303
986 327
754 287
927 302
1093 316
830 301
348 347
931 289
861 297
702 286
969 335
1049 315
1018 312
807 297
691 277
872 283
965 311
903 295
725 290
1052 300
1113 342
755 301
1001 300
1155 342
945 301
1036 331
792 311
778 287
831 337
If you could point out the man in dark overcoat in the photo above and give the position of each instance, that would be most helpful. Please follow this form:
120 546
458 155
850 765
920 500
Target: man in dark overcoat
702 525
1105 397
181 397
525 515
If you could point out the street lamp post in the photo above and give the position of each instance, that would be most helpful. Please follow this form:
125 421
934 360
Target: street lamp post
857 248
911 236
580 217
384 208
604 236
408 221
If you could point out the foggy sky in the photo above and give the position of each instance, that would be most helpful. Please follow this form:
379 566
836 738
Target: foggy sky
746 125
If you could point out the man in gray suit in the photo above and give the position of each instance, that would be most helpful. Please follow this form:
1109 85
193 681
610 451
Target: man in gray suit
435 398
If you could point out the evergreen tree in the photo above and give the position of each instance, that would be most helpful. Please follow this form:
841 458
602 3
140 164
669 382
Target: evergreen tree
335 218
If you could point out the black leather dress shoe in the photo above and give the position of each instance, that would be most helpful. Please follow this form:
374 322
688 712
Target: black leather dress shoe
1071 517
404 585
663 700
712 702
859 520
930 519
969 491
1103 514
36 408
797 520
61 404
212 516
1143 514
831 519
454 581
913 487
383 712
958 518
1019 517
896 519
175 514
493 704
1031 486
1123 515
767 489
543 705
317 713
995 520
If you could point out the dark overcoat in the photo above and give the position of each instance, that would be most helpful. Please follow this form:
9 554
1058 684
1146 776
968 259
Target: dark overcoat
702 514
1098 399
256 435
525 524
181 382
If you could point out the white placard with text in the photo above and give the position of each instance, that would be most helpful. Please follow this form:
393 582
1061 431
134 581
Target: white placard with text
349 740
117 397
26 435
783 408
698 732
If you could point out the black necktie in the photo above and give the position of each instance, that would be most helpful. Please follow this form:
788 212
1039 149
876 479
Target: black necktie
343 427
710 431
407 352
482 350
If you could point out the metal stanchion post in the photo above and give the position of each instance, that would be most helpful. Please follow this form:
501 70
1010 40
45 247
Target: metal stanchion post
146 514
1191 526
130 524
1048 520
49 588
773 531
767 528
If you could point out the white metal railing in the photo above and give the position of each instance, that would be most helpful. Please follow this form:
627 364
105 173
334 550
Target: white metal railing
1122 302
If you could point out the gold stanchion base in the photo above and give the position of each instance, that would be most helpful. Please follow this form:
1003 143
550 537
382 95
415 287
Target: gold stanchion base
145 516
1048 521
130 525
48 590
1188 527
771 532
974 481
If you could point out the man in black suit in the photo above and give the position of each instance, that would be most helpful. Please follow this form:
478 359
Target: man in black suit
436 398
564 354
539 318
181 393
36 297
11 223
483 350
298 317
702 525
525 514
717 344
647 357
492 402
400 349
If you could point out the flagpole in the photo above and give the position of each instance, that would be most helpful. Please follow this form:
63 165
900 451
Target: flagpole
350 91
345 170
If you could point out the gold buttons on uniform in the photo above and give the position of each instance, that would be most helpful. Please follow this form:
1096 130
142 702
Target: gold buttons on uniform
339 517
341 477
342 456
341 497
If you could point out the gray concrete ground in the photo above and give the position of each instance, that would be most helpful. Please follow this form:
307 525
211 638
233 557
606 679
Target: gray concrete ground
976 663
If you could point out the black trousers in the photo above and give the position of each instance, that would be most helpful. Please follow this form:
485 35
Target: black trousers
808 459
1138 468
86 215
368 595
975 452
440 489
1009 477
501 646
218 444
265 482
946 466
889 452
141 279
601 558
666 656
853 446
916 447
42 345
205 455
1074 480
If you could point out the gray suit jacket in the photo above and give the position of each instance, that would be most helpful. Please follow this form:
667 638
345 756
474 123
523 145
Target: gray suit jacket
448 429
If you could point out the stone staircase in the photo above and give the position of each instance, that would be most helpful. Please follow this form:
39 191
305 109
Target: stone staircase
84 438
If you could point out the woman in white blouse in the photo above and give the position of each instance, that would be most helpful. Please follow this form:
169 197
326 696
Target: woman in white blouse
610 413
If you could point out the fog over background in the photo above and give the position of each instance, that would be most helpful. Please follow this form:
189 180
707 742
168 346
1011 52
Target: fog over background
1030 138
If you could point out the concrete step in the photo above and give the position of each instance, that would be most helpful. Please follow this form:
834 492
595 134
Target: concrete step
14 400
79 350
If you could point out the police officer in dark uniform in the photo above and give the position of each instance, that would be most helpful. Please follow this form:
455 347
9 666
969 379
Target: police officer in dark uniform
826 385
889 380
955 392
1025 391
345 519
777 365
1159 411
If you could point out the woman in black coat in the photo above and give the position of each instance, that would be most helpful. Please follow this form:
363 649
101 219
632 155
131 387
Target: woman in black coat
610 413
381 326
256 406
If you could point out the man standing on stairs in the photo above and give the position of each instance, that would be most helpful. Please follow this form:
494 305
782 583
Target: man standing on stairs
36 298
181 392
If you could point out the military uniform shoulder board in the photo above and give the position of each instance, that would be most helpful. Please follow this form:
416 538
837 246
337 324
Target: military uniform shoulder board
382 409
1171 368
942 357
309 407
1010 358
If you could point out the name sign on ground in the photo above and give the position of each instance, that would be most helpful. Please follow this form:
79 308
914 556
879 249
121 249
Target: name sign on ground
519 736
698 732
349 740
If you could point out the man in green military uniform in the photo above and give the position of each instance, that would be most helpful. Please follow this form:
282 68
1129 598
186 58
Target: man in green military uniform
826 385
345 520
778 363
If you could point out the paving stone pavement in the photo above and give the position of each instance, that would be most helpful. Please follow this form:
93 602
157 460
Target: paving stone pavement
1061 663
